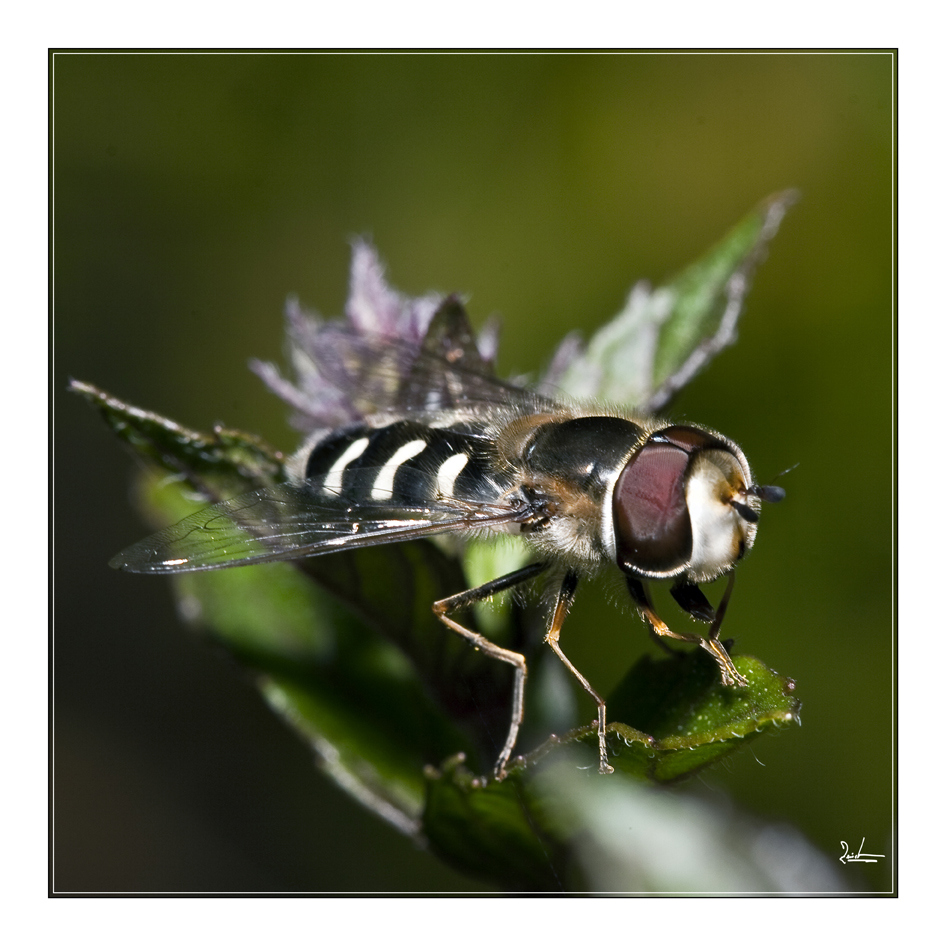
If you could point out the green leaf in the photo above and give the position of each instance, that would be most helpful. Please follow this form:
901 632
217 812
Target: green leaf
692 717
209 463
489 829
666 335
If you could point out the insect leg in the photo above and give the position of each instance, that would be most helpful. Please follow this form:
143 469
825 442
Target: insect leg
566 595
464 599
641 599
689 596
712 644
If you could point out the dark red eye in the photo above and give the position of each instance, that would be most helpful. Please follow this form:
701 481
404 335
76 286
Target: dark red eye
651 522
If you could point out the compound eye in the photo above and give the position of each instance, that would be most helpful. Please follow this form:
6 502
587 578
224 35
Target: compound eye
652 527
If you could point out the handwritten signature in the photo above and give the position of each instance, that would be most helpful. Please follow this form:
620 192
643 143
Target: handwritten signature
848 857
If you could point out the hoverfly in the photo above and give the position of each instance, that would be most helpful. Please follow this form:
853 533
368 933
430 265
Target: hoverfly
444 446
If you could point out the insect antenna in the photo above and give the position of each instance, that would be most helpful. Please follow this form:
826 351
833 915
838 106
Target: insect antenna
771 494
768 494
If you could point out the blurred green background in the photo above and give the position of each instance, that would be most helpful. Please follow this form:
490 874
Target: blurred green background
193 193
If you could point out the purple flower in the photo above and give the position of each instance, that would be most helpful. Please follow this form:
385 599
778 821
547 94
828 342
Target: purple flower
373 311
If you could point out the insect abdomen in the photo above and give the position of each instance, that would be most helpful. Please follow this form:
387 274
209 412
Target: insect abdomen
405 463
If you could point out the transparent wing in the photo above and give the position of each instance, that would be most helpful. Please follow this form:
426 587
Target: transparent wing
288 522
447 373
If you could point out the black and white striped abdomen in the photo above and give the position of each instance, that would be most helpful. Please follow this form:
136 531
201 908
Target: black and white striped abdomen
405 464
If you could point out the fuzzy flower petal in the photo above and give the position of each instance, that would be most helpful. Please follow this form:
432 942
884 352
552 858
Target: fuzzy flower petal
373 311
374 308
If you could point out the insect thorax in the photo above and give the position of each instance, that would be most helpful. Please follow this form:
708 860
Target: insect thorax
575 461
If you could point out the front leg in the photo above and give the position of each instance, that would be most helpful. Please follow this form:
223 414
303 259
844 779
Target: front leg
712 644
